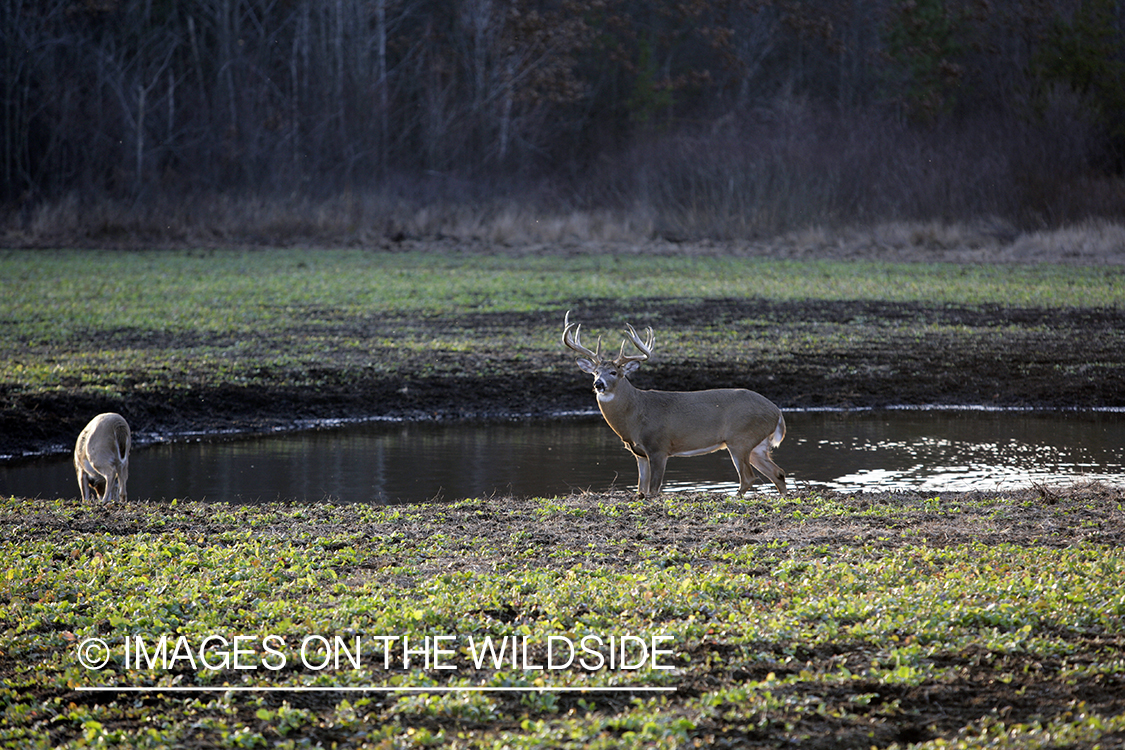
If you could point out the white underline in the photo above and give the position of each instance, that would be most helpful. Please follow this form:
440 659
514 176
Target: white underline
344 689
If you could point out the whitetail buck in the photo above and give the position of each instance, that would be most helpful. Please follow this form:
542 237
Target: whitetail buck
101 457
658 424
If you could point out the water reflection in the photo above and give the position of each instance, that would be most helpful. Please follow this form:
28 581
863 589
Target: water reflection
966 450
385 462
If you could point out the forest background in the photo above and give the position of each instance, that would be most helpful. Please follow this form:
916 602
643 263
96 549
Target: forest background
268 121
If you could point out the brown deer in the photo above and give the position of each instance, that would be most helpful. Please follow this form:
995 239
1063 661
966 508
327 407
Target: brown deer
101 457
655 425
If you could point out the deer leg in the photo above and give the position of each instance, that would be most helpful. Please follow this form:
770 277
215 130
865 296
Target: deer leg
656 473
642 475
116 477
742 466
112 485
121 468
83 484
122 477
760 459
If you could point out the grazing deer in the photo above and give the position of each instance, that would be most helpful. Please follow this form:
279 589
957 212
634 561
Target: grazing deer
101 457
658 424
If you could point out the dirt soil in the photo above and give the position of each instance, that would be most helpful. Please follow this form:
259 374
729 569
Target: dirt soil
610 529
991 355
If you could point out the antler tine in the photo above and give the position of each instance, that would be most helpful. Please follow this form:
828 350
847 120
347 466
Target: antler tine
574 341
645 347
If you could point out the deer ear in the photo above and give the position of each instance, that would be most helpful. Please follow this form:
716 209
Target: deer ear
630 368
586 365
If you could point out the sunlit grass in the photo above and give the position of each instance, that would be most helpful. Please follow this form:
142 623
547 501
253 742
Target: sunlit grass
771 639
56 296
113 319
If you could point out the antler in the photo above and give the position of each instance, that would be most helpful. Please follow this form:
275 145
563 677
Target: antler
645 347
573 341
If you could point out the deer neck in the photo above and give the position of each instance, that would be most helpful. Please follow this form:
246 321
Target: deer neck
619 404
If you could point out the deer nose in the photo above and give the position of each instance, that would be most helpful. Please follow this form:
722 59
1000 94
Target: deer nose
599 385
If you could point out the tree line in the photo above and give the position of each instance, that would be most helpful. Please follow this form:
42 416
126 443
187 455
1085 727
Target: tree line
137 97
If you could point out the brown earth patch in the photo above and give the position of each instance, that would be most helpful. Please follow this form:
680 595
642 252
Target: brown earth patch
614 531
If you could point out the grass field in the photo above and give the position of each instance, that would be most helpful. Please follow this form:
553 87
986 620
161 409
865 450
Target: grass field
964 620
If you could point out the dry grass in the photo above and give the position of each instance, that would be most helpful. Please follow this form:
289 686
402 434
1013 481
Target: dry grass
368 219
379 220
1090 241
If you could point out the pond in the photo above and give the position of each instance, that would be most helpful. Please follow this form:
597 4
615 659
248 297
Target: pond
387 462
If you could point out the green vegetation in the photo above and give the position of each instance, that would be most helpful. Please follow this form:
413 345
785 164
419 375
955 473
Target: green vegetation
107 321
53 297
957 621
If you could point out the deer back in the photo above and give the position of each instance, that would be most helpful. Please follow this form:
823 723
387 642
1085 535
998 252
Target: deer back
686 421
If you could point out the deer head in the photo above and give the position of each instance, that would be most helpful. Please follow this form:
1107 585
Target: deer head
607 372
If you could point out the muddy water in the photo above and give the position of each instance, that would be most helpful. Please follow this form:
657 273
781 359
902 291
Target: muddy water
394 462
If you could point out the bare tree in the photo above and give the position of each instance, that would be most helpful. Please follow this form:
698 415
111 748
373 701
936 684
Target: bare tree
126 96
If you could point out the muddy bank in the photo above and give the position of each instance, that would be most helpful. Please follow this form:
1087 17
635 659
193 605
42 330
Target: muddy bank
611 530
866 354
